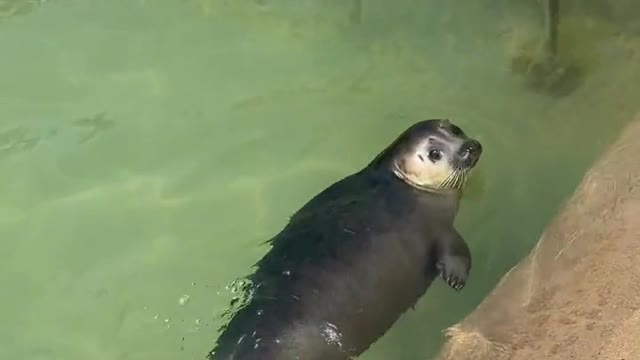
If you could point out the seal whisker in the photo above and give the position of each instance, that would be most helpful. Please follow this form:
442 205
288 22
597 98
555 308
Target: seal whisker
443 183
460 179
464 174
450 181
447 180
454 179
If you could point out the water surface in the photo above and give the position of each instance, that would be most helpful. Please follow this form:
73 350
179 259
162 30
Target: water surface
148 148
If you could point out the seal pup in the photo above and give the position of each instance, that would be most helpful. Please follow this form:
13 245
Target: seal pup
359 254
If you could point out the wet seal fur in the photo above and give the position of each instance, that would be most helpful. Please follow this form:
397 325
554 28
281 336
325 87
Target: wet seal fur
359 254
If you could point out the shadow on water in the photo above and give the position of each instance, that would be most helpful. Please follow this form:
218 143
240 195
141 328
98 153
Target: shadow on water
148 148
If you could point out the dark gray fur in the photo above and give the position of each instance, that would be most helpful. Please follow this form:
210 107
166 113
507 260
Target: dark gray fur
349 263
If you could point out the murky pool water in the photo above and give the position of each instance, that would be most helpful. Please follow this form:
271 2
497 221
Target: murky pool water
148 148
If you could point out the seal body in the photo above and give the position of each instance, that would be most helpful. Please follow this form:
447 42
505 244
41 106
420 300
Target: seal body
359 254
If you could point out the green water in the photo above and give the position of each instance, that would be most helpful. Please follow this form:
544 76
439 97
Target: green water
147 148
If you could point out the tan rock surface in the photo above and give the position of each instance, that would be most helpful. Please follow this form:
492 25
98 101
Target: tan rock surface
577 294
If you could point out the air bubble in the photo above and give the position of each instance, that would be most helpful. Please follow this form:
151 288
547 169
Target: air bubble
184 299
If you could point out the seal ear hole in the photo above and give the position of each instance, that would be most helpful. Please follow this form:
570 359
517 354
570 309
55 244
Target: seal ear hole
455 130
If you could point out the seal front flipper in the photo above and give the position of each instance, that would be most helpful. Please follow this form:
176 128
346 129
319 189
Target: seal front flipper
453 261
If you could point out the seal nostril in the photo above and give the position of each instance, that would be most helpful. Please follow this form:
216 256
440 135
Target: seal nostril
471 150
467 150
473 147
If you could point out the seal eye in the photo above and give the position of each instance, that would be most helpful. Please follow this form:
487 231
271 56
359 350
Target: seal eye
435 155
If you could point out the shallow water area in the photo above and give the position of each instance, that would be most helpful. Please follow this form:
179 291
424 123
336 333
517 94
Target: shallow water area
148 148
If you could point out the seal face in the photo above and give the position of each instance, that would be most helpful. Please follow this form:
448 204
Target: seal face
438 156
359 254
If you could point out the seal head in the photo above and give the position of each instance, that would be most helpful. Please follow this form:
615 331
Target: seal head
432 155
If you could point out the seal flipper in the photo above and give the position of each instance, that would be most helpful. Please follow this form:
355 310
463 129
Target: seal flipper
453 261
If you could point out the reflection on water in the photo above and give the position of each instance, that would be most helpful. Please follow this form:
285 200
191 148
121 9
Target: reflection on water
149 148
13 8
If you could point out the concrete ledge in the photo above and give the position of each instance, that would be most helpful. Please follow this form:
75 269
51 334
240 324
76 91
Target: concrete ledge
577 294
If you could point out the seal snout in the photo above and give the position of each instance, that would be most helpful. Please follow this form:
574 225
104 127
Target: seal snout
470 153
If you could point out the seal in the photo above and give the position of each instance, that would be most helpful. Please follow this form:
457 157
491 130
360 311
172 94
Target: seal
359 254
